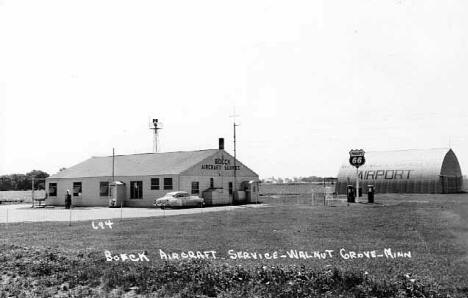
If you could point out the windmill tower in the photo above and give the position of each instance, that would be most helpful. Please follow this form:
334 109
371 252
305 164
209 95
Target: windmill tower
155 126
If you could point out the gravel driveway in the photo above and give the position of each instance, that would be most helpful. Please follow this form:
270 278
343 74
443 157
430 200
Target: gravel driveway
24 212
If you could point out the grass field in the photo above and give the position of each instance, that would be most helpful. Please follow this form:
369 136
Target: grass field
291 188
20 195
433 228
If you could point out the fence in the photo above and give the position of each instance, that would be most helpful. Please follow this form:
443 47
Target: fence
20 196
17 209
312 194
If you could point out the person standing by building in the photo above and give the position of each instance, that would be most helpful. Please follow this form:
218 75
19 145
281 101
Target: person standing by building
67 199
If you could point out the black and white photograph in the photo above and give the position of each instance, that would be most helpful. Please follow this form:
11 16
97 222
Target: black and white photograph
233 148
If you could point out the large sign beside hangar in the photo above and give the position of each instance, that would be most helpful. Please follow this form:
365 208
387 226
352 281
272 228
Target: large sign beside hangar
356 158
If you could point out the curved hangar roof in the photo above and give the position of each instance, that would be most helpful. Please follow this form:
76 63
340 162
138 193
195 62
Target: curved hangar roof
406 171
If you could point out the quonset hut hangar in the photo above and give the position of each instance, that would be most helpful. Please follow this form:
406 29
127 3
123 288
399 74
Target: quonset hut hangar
405 171
141 178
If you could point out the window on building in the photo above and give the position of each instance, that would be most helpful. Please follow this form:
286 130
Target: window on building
136 189
52 189
77 190
211 182
230 188
154 183
167 183
195 188
104 188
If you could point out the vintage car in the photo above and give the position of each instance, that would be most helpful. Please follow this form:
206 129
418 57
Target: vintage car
178 199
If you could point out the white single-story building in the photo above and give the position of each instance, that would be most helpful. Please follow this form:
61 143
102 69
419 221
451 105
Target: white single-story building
138 179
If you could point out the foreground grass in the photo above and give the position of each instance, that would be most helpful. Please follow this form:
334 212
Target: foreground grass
49 272
433 228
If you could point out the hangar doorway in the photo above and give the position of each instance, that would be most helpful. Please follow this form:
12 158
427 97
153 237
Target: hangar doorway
451 184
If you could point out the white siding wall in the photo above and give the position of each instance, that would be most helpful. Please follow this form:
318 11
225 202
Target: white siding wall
148 194
89 196
204 182
90 187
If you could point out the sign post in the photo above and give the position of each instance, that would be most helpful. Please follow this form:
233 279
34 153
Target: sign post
357 184
357 159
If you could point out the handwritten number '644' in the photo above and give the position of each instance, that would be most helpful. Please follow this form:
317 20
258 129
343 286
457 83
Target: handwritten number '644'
102 224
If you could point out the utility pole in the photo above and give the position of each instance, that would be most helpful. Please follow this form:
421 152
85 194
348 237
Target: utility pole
32 193
113 163
235 152
234 124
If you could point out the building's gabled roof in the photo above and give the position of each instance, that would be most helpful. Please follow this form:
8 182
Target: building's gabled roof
167 163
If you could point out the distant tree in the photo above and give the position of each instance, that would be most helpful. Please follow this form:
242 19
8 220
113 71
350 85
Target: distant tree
37 174
5 183
62 169
18 182
39 177
22 181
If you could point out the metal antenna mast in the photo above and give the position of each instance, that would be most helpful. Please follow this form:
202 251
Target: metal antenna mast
234 124
156 125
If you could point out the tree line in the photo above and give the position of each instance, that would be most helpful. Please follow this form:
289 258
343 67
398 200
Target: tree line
23 181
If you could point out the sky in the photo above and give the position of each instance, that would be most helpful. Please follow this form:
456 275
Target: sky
309 80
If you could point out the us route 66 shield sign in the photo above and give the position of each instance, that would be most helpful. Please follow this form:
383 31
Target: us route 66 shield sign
356 158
